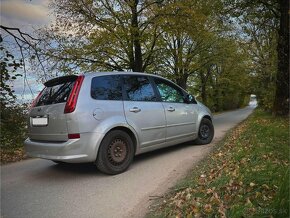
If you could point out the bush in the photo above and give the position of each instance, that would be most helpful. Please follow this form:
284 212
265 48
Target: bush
13 125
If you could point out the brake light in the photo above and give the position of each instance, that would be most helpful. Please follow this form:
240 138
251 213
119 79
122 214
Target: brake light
73 97
74 136
36 100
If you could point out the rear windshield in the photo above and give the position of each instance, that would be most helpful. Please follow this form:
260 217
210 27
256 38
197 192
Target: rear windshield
57 93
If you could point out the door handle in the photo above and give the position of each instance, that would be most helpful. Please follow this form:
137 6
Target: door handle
171 109
135 109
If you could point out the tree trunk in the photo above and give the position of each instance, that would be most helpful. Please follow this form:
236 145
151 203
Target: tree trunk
138 62
181 81
204 80
203 93
281 102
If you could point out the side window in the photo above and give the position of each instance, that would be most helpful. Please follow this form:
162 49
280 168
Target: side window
138 88
107 87
169 92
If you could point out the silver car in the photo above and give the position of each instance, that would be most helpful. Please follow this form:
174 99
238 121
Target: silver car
108 118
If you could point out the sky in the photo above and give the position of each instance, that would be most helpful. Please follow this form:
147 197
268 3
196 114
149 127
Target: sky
24 14
27 15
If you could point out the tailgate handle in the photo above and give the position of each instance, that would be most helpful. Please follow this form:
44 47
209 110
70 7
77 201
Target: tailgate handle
135 109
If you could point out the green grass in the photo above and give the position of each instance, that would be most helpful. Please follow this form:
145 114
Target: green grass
247 175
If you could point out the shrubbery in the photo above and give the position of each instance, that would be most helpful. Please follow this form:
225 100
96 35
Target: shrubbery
13 131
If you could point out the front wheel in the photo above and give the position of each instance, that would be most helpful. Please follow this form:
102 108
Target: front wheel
116 152
205 132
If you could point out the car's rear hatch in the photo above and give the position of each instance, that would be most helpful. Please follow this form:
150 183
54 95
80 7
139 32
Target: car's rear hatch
47 119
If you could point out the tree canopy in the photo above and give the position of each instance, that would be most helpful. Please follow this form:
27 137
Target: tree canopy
221 51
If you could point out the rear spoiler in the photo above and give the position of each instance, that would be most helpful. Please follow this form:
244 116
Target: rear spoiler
60 80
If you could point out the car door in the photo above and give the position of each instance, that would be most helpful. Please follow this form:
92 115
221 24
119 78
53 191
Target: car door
142 110
181 117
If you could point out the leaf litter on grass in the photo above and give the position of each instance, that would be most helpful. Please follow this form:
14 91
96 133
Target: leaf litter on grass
240 178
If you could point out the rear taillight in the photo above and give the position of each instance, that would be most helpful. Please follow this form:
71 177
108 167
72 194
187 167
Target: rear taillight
73 97
35 100
74 136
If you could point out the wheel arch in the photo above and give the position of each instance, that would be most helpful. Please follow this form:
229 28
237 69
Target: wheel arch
128 131
203 116
207 117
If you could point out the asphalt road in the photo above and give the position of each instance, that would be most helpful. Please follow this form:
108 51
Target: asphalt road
38 188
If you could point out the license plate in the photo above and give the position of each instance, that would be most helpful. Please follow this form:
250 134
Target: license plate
39 121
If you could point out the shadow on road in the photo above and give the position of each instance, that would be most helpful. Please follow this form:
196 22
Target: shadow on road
64 171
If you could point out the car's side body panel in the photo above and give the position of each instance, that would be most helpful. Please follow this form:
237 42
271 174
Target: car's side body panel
180 120
148 120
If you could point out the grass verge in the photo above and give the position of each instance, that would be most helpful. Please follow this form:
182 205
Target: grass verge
247 175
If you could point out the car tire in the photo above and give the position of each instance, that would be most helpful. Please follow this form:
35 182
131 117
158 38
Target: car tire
205 132
116 153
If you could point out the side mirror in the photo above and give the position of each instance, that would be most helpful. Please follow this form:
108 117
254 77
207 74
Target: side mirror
189 99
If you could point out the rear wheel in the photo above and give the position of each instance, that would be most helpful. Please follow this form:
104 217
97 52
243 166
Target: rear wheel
205 132
116 153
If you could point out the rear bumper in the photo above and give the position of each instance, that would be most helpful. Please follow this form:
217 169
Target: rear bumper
80 150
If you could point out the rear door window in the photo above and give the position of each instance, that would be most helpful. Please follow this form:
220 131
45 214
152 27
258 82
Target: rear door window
138 88
107 87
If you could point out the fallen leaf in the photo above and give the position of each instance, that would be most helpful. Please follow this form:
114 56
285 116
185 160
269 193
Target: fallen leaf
209 191
179 203
178 216
252 184
265 187
248 202
194 209
227 197
222 211
234 173
258 194
207 208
